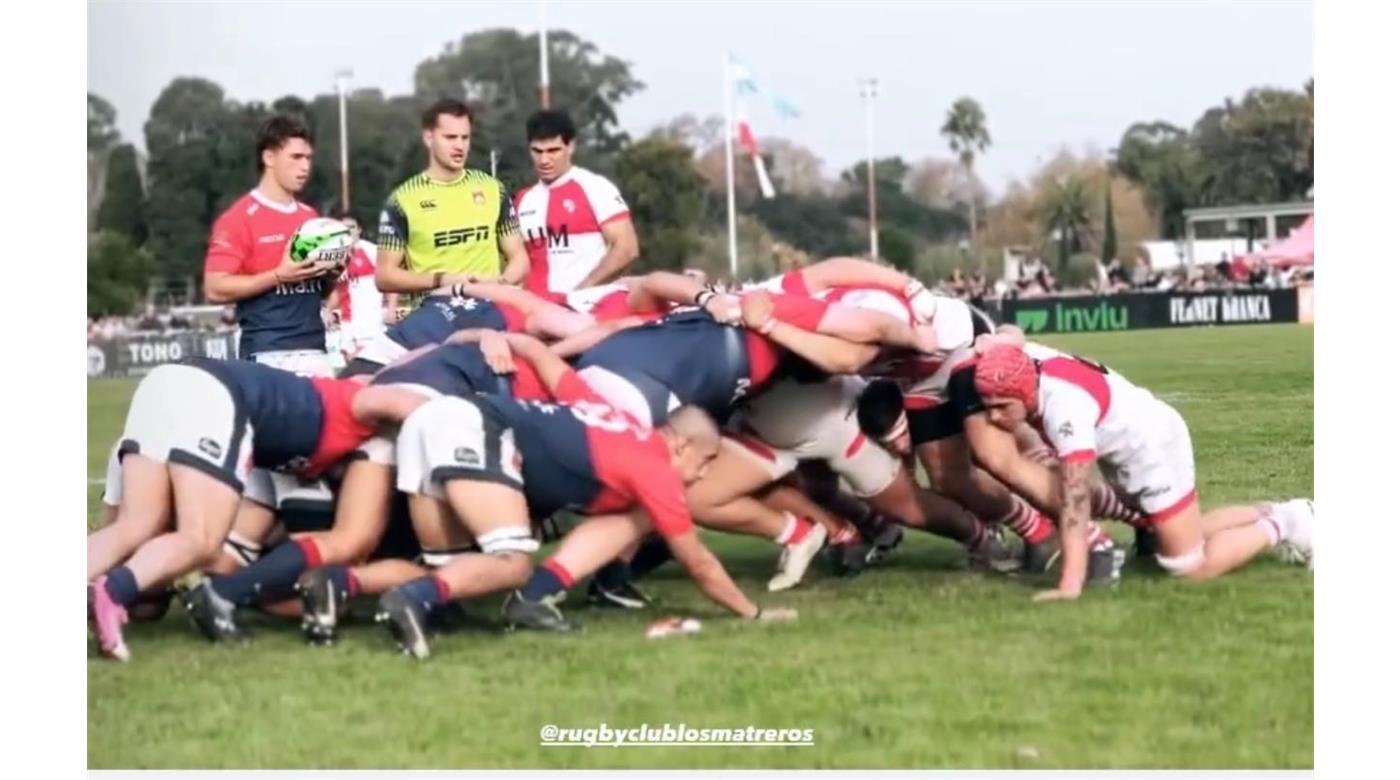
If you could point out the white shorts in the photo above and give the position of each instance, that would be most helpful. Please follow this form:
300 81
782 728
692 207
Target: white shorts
449 438
112 488
792 422
278 490
382 350
376 449
625 396
186 416
1159 477
306 362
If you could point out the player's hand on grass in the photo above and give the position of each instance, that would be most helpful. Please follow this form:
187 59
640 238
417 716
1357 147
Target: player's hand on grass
757 310
496 350
775 614
1058 594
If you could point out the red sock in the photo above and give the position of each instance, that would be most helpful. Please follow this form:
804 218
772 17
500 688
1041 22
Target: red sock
311 551
1097 537
1027 523
444 590
794 531
848 533
1106 505
565 577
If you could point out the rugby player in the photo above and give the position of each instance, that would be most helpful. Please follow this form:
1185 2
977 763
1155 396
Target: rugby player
925 419
249 264
193 432
450 223
497 463
688 357
473 306
577 226
367 487
798 421
360 308
1089 413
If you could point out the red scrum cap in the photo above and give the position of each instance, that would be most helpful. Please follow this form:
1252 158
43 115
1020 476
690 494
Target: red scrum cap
1005 371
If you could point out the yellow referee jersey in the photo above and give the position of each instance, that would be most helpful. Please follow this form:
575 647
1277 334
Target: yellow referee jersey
448 226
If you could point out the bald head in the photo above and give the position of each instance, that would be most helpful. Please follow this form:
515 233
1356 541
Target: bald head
693 424
693 440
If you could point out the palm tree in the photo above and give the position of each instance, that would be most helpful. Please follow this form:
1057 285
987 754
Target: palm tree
966 130
1065 213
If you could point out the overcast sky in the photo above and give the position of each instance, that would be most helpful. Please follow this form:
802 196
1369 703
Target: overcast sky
1048 74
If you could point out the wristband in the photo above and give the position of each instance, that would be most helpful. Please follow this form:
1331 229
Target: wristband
703 297
437 279
459 291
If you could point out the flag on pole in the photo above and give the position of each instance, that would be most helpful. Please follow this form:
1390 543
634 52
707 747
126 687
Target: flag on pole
746 139
745 86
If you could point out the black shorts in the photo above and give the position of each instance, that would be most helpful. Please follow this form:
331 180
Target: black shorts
399 541
945 420
359 367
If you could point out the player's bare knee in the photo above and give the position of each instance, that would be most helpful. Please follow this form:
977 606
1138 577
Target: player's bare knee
202 545
515 567
348 545
702 504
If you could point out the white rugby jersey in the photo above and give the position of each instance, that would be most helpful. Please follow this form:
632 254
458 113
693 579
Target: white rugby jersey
562 223
1087 411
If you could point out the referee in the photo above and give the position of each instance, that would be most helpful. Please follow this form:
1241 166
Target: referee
449 224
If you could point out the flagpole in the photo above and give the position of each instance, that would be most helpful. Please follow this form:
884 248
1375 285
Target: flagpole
867 93
729 167
544 59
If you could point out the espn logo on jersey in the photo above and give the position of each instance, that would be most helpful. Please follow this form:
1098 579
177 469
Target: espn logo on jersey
444 238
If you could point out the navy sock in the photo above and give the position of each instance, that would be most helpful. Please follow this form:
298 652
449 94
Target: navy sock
543 584
121 586
275 572
340 577
650 557
425 591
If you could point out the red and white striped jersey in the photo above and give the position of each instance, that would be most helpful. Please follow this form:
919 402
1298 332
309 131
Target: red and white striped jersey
361 303
563 227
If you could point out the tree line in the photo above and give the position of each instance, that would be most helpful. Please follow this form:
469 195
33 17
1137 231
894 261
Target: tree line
149 216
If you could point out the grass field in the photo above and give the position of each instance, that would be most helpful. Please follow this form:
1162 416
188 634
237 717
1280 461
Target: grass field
919 664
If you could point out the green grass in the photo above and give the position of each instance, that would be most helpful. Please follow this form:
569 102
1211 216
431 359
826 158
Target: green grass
920 664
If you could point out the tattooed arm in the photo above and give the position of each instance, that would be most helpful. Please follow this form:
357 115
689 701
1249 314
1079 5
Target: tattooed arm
1074 530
